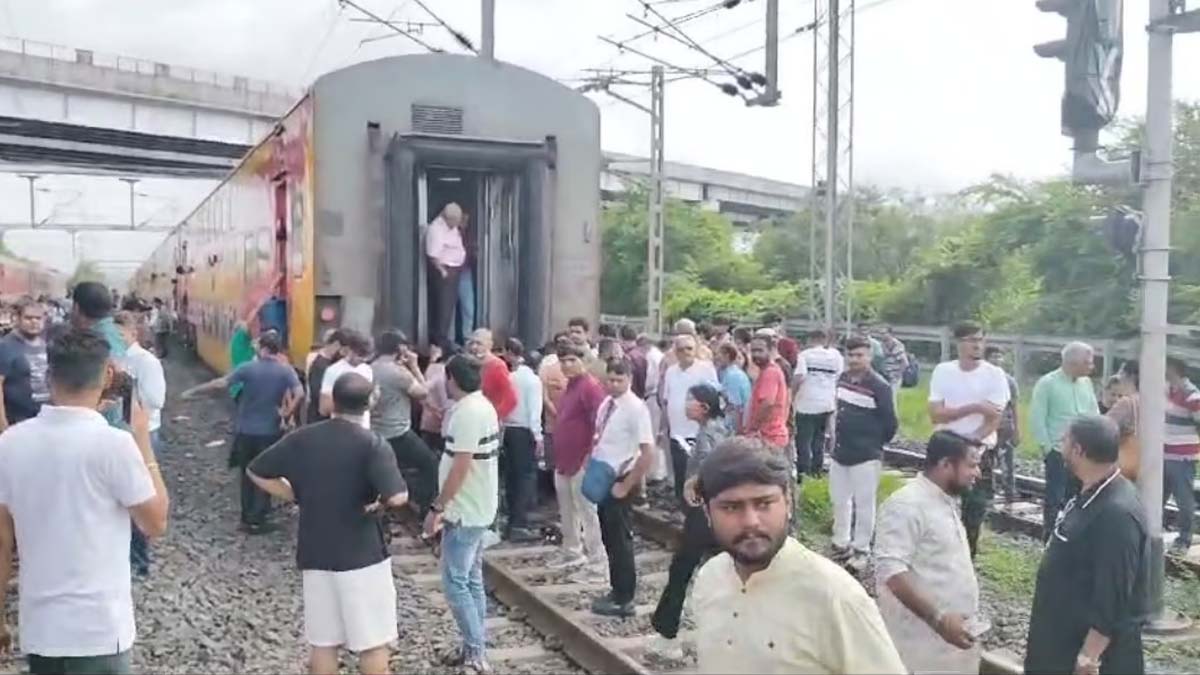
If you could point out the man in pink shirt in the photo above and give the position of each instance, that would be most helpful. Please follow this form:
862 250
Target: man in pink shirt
767 418
446 254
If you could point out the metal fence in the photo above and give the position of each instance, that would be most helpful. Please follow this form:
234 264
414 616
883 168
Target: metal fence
1108 350
127 64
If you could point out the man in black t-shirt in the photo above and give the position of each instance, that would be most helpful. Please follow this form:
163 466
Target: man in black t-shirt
23 365
318 363
341 475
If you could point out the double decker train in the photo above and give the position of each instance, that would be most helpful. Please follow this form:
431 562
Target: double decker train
326 216
22 277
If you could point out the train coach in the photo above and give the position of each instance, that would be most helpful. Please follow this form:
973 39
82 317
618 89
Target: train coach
325 218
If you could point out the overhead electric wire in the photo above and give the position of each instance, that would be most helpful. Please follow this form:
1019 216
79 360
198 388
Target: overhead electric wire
726 88
458 35
389 24
734 71
679 20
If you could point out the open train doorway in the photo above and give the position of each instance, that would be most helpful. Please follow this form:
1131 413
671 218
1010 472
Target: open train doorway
500 190
443 187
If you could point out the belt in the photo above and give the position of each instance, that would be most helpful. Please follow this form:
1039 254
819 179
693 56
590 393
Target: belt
478 456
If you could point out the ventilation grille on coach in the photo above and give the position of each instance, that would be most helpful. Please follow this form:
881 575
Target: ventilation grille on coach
437 119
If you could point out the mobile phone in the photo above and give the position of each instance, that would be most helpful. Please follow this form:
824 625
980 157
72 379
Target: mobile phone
127 405
977 626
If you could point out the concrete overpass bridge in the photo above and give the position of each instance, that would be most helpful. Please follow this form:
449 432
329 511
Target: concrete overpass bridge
67 110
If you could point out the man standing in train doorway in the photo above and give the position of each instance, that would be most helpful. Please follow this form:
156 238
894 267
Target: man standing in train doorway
447 255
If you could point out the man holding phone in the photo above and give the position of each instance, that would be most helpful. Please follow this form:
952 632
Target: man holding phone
149 387
927 589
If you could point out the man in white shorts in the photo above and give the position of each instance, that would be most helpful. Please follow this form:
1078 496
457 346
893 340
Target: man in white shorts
329 468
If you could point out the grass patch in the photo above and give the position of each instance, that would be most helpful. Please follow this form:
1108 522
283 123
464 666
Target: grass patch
814 507
913 414
1007 568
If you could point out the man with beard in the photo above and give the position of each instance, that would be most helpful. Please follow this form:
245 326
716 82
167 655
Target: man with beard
1090 601
925 582
767 417
23 365
968 396
745 599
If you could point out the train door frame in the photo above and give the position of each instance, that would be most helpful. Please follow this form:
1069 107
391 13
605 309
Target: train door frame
280 258
404 306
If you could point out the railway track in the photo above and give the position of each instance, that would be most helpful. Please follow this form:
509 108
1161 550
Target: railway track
1024 514
526 596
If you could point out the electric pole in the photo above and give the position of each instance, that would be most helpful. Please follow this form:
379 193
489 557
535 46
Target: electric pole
1091 52
654 266
487 43
32 178
132 182
833 150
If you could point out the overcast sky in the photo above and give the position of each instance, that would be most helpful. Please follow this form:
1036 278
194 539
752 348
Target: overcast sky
947 91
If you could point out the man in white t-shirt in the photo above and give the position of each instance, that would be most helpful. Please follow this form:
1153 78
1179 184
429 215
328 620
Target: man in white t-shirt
356 349
815 382
69 485
624 441
685 373
968 396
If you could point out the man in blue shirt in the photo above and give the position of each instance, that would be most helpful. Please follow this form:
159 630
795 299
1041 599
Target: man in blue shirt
266 384
735 385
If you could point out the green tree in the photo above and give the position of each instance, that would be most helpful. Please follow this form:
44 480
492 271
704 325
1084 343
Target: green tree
698 251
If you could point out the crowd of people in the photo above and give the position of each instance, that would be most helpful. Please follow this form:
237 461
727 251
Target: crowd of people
728 420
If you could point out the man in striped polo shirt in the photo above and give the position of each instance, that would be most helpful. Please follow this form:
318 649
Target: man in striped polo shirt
1181 445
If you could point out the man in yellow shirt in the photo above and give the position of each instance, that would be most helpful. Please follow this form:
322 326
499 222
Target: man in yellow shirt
767 604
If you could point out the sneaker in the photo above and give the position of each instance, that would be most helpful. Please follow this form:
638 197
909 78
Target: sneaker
839 553
258 528
523 535
857 561
455 656
1180 547
589 574
477 666
670 649
564 560
606 606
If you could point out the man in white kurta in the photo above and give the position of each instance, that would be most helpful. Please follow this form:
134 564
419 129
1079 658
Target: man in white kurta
920 532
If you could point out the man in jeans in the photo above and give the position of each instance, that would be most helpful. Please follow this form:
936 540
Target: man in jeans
69 485
151 391
1181 445
1060 397
522 436
624 441
340 474
267 385
466 506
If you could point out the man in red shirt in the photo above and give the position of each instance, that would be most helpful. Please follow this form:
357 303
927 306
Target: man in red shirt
574 434
767 419
497 384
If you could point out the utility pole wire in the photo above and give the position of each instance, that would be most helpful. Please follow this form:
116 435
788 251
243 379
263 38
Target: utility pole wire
683 37
389 24
691 44
460 37
726 88
679 20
